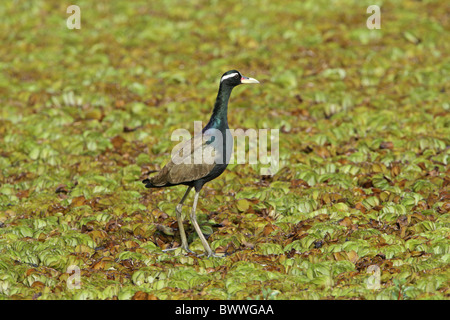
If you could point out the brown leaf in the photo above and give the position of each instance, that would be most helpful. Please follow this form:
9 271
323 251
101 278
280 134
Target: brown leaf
422 166
119 104
346 222
23 194
117 142
322 152
296 183
99 265
225 222
139 295
359 206
322 217
164 229
445 207
61 188
78 201
98 235
30 271
130 244
339 256
300 234
221 249
228 249
56 207
112 225
268 229
85 228
403 221
395 169
446 181
93 203
38 284
352 256
163 245
386 145
367 184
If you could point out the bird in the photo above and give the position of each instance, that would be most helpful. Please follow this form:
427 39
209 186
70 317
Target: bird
216 142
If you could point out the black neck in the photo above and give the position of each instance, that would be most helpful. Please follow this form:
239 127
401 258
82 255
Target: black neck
219 118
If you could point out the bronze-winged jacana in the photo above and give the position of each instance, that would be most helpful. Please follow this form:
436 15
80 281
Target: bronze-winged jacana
194 174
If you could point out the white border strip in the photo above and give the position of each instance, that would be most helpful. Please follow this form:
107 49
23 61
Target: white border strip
228 76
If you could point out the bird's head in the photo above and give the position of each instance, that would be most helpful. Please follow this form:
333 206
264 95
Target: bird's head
233 78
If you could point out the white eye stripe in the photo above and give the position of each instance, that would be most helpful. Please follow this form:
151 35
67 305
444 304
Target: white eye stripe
228 76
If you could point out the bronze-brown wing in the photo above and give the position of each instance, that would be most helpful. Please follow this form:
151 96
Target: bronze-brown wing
182 167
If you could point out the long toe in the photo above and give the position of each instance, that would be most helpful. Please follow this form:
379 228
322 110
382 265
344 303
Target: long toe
209 255
182 247
188 250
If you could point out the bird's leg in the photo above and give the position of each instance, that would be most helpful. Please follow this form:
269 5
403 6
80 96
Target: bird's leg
209 252
184 243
